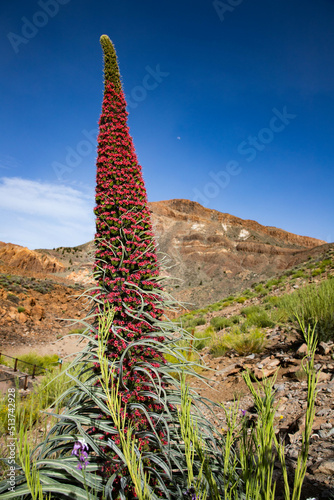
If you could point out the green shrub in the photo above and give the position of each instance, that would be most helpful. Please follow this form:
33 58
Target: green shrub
272 300
241 300
20 309
326 262
259 288
298 274
246 311
272 282
313 305
241 342
316 272
220 322
203 339
259 319
193 322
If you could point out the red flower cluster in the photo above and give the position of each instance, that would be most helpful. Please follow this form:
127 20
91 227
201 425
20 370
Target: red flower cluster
125 257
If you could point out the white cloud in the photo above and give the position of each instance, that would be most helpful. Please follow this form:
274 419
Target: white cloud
44 215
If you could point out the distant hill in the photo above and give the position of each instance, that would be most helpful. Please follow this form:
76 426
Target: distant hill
211 253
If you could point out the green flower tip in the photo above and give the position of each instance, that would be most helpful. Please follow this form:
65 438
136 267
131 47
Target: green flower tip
111 71
106 43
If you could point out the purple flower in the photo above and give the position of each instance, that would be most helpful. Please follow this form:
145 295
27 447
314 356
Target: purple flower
191 491
243 412
79 450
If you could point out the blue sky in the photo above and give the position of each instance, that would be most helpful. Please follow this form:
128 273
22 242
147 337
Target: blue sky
231 104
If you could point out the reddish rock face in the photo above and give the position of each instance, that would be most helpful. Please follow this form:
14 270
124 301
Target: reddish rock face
215 254
25 259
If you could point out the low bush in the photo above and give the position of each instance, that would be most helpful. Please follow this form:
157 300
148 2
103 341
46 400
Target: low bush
314 306
259 319
259 288
272 282
203 339
76 330
243 343
241 300
299 274
272 300
326 262
13 298
220 322
194 321
246 311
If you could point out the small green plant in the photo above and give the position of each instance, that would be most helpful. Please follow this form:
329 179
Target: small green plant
20 309
203 339
246 311
326 262
241 300
299 274
220 322
259 319
272 300
313 305
271 283
248 342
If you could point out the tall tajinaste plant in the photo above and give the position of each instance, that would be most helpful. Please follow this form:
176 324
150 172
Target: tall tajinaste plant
126 266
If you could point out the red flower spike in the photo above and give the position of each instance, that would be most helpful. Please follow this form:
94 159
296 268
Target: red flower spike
125 257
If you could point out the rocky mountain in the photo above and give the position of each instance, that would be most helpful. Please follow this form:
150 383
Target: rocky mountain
210 254
215 254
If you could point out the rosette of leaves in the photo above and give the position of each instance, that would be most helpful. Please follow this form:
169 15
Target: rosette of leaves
160 449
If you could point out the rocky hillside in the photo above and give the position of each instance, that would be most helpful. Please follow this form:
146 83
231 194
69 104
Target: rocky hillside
215 254
24 259
211 254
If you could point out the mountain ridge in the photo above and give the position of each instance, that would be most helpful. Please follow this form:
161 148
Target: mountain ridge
208 253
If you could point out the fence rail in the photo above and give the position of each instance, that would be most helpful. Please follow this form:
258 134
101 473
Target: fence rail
16 360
